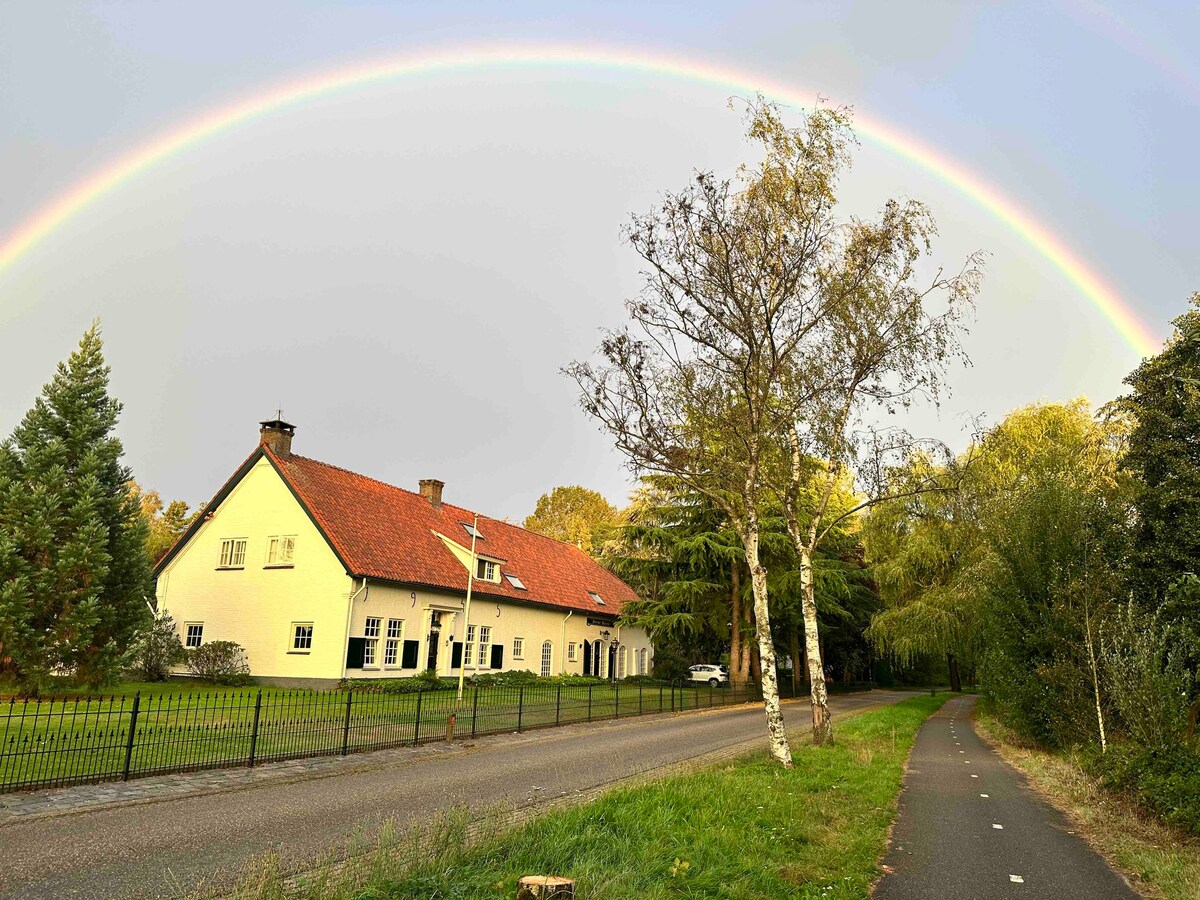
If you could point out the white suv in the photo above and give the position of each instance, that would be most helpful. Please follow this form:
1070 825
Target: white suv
714 675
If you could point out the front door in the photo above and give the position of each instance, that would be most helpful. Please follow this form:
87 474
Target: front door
612 662
435 639
587 657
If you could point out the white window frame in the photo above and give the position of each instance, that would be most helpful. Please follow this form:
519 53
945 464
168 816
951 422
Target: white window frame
391 648
487 570
519 648
622 655
187 634
233 553
298 638
371 644
485 646
281 551
571 651
469 648
547 658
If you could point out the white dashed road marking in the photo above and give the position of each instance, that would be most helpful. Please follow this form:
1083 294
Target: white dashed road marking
1016 879
997 827
983 795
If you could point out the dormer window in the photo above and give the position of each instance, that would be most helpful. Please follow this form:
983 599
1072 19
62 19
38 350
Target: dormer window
515 581
599 600
472 530
486 570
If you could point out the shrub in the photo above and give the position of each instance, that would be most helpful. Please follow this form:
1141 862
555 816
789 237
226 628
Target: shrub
222 662
426 681
1148 679
155 649
1165 780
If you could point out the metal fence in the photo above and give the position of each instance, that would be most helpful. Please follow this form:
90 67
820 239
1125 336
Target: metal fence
52 742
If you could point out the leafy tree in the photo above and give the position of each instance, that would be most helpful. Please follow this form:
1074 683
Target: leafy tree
573 514
691 388
164 525
1024 558
1164 454
74 575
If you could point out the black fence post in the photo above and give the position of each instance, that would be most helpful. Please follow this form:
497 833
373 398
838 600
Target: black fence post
558 705
639 699
520 707
417 729
710 695
672 698
474 708
133 717
589 702
346 725
616 700
254 730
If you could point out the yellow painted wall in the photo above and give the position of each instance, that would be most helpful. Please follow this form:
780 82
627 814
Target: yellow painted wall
506 619
256 606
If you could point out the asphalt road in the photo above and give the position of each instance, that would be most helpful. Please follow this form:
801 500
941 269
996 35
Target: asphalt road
970 827
168 848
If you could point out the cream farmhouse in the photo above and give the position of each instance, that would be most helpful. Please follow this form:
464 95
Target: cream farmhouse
323 574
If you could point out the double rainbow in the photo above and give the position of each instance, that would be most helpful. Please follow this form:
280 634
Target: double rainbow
214 122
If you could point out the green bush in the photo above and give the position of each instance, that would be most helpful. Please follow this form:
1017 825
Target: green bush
1148 678
426 681
155 649
222 662
1165 780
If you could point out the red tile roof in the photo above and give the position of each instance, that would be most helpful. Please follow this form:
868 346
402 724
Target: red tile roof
382 531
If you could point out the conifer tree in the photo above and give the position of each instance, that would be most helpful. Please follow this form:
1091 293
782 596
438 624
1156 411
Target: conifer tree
74 573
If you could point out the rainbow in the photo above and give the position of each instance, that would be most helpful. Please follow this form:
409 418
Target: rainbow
213 122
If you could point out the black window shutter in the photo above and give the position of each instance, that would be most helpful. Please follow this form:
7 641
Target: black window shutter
497 656
354 652
411 648
456 655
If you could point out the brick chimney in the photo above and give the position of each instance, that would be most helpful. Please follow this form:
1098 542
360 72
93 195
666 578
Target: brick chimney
277 434
431 490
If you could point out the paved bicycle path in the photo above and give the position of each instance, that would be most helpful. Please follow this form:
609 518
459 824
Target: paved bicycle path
169 846
970 827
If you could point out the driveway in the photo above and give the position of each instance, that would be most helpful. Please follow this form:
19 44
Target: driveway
169 845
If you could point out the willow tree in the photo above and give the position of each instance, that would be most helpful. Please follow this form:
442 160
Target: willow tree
691 385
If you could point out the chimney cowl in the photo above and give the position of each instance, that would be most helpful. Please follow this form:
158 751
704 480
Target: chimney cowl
277 434
431 490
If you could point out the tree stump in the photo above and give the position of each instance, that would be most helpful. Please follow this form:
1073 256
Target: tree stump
539 887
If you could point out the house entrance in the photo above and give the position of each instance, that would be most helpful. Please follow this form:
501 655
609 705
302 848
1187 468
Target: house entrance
435 638
587 657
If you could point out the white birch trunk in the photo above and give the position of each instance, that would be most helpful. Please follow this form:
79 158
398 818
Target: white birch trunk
822 725
777 739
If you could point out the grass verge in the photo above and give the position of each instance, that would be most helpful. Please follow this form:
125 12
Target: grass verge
740 830
1163 862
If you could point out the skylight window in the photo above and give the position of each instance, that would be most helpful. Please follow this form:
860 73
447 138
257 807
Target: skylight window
515 581
472 530
599 600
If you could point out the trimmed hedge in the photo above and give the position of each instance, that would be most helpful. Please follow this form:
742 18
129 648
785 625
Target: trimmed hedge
1165 780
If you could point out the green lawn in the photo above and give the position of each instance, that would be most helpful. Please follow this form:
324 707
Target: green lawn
739 831
187 725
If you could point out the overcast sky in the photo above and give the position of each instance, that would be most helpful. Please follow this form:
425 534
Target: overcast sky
405 267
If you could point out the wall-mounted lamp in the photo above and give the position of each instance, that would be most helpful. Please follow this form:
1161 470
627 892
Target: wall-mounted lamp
604 635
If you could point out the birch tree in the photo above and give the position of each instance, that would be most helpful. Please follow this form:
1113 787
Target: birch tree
882 340
690 387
